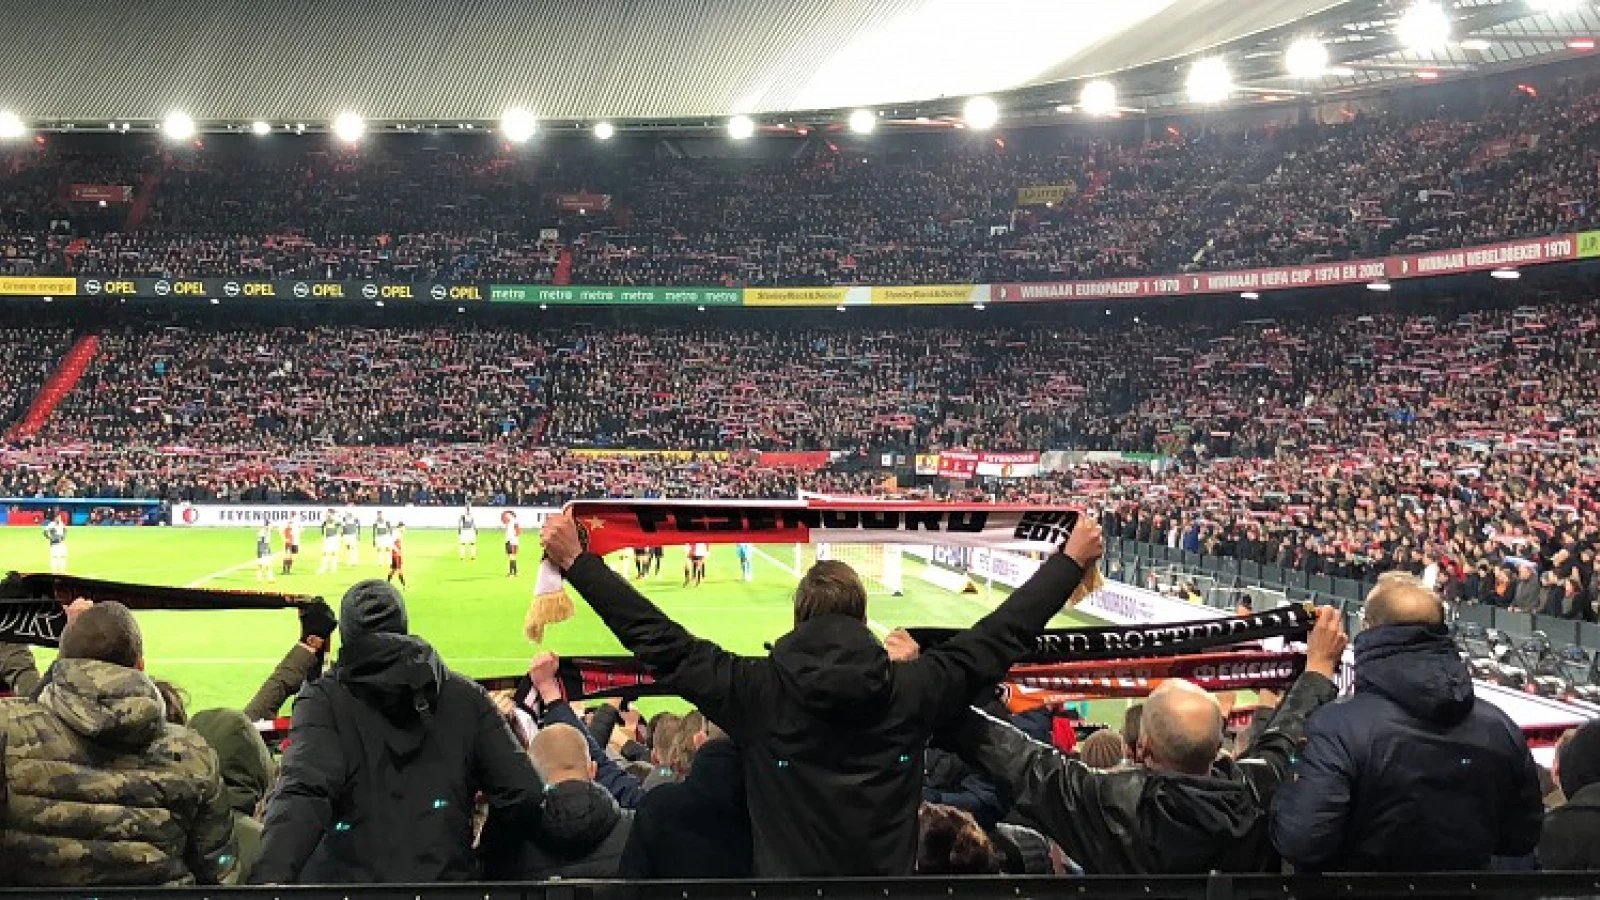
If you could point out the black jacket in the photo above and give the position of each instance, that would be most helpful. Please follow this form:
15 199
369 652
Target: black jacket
695 828
830 733
386 754
1144 821
1570 840
1409 773
579 833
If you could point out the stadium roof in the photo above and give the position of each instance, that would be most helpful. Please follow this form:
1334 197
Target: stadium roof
631 61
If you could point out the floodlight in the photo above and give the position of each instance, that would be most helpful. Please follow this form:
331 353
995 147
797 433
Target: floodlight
1099 98
517 125
981 112
1306 58
1209 80
348 127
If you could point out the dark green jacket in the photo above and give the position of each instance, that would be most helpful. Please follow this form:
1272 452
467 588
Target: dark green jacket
103 791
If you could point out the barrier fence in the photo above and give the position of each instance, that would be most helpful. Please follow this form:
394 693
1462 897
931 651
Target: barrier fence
1499 885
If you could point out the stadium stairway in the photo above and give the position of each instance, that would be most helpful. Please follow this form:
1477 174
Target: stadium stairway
143 200
563 273
60 383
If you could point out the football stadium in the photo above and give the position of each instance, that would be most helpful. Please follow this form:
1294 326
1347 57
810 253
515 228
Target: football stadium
553 450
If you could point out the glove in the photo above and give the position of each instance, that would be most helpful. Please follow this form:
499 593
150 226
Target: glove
317 620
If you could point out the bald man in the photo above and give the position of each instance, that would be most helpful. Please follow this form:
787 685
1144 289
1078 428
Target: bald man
1409 773
579 832
1184 809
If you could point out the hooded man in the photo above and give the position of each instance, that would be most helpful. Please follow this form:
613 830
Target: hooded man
386 755
829 732
1409 773
246 775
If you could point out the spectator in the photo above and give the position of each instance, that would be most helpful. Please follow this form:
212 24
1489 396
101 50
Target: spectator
386 755
92 764
1131 720
624 787
1568 839
828 687
579 830
698 827
246 775
19 672
1186 808
1103 750
1409 773
949 842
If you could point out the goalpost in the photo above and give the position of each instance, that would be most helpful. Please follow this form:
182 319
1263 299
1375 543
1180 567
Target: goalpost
881 566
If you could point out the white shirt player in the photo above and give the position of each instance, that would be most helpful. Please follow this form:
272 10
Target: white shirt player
55 531
513 532
467 529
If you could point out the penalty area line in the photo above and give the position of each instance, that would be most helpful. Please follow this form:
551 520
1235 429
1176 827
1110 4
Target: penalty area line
220 573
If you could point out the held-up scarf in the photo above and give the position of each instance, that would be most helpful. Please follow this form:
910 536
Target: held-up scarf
1125 641
33 608
1150 652
1229 671
607 526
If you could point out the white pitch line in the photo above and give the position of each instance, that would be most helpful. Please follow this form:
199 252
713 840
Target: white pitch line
878 628
218 574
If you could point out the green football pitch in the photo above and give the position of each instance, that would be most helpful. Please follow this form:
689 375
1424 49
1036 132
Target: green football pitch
468 609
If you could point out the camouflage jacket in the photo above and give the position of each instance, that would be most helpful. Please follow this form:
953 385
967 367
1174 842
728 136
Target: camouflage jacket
102 791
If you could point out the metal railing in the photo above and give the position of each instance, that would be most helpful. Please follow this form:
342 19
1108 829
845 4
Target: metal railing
1226 578
1459 886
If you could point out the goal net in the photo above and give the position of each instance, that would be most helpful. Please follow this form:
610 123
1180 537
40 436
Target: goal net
880 566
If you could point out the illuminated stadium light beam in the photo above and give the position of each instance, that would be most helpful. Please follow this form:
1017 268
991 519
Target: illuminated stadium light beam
1380 286
981 112
604 130
518 125
1209 81
741 127
1098 98
178 126
862 121
260 128
1306 58
11 126
1506 274
1424 26
348 127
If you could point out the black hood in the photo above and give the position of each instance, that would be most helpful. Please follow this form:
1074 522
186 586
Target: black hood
717 770
371 607
834 667
1187 817
575 818
1418 668
399 677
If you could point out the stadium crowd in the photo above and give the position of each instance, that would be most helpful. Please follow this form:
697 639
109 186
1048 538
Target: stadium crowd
1331 442
940 210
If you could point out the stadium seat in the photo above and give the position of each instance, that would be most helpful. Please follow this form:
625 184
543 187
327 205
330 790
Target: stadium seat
1515 624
